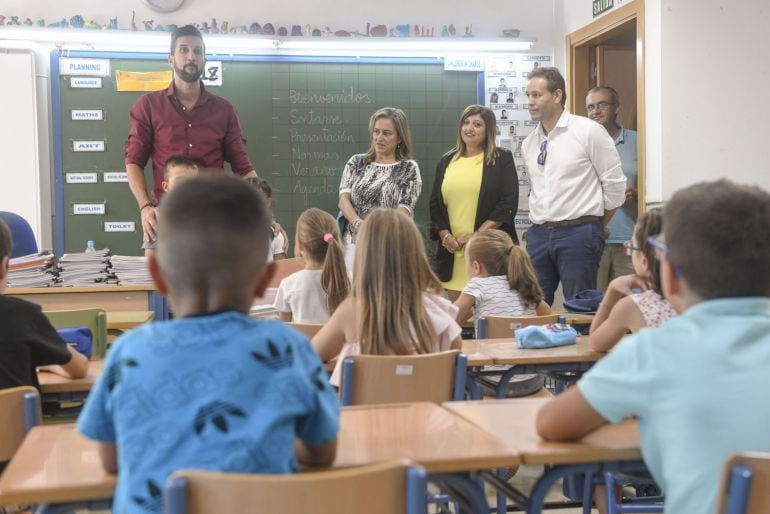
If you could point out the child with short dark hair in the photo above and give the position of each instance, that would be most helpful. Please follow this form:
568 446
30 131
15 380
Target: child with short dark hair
176 169
213 388
27 339
697 383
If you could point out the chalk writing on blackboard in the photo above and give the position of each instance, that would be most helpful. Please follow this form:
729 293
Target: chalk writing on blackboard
346 96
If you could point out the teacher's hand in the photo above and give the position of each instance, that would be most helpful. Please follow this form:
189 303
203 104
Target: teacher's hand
463 240
149 223
451 244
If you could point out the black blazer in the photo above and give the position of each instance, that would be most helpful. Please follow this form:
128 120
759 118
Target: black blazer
498 201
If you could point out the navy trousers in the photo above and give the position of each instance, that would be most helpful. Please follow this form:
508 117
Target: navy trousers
567 254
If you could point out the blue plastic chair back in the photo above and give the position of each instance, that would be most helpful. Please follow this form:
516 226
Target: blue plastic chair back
24 242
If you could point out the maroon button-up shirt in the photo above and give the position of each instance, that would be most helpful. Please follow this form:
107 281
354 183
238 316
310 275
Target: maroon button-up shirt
209 133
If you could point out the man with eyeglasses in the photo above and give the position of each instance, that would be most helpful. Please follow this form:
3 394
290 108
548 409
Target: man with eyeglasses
576 184
602 106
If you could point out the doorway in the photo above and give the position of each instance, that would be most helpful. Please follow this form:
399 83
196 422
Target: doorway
610 51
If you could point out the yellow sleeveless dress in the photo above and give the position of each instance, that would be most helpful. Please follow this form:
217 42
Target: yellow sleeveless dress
460 189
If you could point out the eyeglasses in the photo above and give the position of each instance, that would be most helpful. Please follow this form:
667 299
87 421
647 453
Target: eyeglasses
629 248
662 252
543 153
601 106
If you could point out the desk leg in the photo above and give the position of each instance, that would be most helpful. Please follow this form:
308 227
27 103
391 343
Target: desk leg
468 493
159 305
473 388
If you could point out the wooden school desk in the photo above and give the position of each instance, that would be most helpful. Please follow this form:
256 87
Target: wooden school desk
109 298
126 320
610 447
577 357
55 464
62 389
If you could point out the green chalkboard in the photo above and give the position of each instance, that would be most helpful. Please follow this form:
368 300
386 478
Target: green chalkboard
302 121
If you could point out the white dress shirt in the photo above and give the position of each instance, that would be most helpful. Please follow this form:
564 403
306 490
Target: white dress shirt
581 176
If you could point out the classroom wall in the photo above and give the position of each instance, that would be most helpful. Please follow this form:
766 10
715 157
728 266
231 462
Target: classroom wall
534 19
695 130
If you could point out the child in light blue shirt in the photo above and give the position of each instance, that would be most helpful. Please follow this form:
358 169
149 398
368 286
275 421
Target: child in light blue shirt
697 384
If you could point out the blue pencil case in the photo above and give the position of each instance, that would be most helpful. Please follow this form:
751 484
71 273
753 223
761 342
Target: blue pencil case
545 336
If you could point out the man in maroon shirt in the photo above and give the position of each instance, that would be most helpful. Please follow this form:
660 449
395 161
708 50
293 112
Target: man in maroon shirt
184 119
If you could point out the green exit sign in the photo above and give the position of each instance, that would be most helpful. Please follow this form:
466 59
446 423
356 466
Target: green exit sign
601 6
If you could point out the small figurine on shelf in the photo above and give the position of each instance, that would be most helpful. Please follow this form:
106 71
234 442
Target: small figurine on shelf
2 20
400 31
148 24
379 31
452 29
214 26
59 24
268 29
468 30
283 31
444 31
14 21
255 28
27 22
133 21
342 33
296 30
416 31
91 24
316 32
40 22
77 21
224 28
205 27
113 24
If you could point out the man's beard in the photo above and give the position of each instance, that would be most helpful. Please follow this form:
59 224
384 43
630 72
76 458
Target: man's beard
188 76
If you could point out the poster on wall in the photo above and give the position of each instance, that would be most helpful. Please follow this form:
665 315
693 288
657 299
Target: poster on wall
505 87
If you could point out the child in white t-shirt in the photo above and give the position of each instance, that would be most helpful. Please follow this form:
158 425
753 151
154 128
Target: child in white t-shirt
311 295
278 242
502 279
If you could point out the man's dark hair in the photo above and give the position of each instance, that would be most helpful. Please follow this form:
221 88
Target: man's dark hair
719 237
186 30
6 241
178 160
554 79
214 234
614 96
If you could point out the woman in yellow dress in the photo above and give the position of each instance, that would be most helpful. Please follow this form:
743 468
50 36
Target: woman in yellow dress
476 188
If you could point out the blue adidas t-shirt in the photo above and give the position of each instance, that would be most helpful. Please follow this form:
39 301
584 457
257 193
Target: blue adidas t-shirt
220 392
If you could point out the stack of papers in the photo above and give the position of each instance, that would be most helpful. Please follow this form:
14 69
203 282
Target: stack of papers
86 268
33 270
130 270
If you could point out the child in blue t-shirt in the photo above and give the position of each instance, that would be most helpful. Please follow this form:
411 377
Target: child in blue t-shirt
695 384
212 389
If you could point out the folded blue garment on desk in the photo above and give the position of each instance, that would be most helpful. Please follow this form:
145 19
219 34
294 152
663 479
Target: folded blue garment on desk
545 336
79 337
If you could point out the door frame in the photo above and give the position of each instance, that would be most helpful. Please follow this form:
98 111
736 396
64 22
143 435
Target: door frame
578 50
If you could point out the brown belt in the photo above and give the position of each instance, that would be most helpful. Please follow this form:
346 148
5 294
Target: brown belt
569 223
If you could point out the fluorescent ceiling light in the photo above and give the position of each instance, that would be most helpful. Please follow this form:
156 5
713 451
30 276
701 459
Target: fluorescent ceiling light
144 41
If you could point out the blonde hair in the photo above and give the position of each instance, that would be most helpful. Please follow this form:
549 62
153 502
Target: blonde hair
490 125
390 275
495 251
399 119
314 227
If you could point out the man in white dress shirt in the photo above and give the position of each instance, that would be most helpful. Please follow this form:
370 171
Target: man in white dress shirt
576 184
